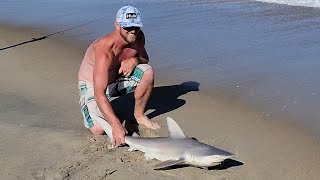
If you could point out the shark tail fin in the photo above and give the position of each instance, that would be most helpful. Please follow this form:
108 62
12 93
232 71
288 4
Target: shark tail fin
174 129
167 163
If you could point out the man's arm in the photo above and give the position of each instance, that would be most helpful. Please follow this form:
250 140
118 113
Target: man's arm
142 56
103 62
128 65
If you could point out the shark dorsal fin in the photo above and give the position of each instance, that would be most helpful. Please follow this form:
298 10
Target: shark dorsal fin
174 129
135 135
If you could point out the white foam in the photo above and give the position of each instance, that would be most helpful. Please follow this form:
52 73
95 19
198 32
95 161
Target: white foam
307 3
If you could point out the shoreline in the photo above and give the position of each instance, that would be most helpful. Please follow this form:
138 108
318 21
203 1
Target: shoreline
42 86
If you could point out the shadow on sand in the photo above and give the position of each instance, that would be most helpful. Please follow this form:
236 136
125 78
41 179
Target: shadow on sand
163 99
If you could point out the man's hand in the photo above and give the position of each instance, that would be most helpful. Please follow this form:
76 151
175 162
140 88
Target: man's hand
128 65
118 133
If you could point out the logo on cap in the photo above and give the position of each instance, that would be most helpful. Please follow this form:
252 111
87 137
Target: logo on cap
131 16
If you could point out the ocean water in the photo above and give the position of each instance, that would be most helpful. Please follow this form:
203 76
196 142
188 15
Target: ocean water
264 56
307 3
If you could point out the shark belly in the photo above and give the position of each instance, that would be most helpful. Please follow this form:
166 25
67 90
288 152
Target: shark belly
156 148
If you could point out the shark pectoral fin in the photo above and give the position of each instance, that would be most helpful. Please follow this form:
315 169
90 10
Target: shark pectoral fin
167 163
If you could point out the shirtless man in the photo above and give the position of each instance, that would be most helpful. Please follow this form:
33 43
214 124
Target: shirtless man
113 65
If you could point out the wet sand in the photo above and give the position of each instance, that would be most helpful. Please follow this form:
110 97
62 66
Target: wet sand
43 136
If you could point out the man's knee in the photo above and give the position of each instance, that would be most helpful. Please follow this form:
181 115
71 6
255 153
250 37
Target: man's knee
148 76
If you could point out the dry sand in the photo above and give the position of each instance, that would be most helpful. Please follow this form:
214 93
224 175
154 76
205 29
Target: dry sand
42 136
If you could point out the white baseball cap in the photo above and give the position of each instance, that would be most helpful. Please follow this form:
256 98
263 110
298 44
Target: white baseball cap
129 16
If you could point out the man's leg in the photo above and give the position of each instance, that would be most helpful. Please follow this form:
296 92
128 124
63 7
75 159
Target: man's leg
92 116
142 94
101 125
97 129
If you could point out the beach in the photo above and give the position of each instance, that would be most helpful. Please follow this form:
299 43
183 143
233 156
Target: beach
43 137
41 127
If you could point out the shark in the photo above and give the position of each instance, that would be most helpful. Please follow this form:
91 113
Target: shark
177 148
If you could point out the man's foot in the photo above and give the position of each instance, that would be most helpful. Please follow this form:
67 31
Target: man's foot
144 120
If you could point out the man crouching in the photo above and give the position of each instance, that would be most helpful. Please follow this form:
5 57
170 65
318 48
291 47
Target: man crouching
113 65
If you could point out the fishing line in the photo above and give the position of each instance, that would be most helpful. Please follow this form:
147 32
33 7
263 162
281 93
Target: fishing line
46 36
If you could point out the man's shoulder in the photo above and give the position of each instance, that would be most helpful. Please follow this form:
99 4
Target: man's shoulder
141 35
140 41
105 42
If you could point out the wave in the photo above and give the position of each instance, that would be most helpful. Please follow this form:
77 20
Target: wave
307 3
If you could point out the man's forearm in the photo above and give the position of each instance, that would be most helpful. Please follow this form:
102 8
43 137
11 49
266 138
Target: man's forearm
139 60
142 60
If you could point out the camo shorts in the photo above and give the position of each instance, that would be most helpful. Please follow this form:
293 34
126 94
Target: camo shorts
123 85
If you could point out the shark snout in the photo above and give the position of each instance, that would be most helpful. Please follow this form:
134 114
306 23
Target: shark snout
207 161
220 158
